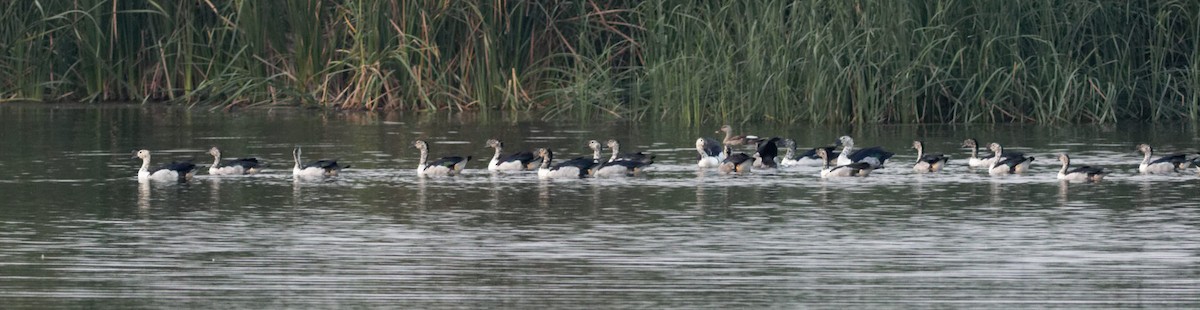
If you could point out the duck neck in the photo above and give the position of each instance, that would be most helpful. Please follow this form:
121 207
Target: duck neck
216 159
920 152
596 154
496 157
424 157
999 152
546 158
728 135
1146 158
614 153
1065 162
974 151
846 148
145 164
296 157
789 152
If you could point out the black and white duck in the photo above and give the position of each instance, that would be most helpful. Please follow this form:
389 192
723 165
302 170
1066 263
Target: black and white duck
764 156
711 153
975 161
828 170
237 166
1080 174
928 162
1165 164
633 156
1008 162
736 163
172 172
572 169
445 166
875 156
515 162
319 168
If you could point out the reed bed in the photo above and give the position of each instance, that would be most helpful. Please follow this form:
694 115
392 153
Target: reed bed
694 61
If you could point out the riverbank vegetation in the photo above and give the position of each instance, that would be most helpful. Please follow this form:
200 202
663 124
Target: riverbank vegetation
773 60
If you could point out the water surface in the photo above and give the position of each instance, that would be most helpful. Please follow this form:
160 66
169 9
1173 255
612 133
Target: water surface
77 230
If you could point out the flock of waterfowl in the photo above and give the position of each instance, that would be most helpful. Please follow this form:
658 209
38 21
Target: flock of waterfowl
848 162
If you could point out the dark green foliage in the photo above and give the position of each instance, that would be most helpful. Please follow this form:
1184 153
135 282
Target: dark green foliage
786 61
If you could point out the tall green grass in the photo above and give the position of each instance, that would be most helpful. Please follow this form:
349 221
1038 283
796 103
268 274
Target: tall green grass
697 61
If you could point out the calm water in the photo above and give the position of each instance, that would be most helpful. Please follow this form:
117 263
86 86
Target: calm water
77 230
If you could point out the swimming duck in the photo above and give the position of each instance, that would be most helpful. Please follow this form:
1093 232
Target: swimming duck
1169 163
628 156
324 167
1084 173
789 154
237 166
735 163
617 156
174 172
574 169
731 139
711 153
516 162
1008 162
928 162
627 164
445 166
764 157
975 160
618 168
858 169
875 156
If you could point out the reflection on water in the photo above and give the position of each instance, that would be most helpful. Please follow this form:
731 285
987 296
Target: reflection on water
79 231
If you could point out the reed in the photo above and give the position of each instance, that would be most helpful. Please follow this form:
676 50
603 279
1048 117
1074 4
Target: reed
696 61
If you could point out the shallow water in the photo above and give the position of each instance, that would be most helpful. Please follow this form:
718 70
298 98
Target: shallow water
77 230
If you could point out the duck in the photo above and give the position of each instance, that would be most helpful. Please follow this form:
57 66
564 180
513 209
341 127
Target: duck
237 166
636 156
516 162
173 172
828 170
571 169
790 158
1008 162
711 153
319 168
1081 174
875 156
619 168
789 154
928 162
764 157
445 166
975 161
627 164
733 140
1169 163
736 163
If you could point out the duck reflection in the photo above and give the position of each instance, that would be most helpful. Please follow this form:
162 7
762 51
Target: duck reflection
143 201
214 195
1063 189
543 193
